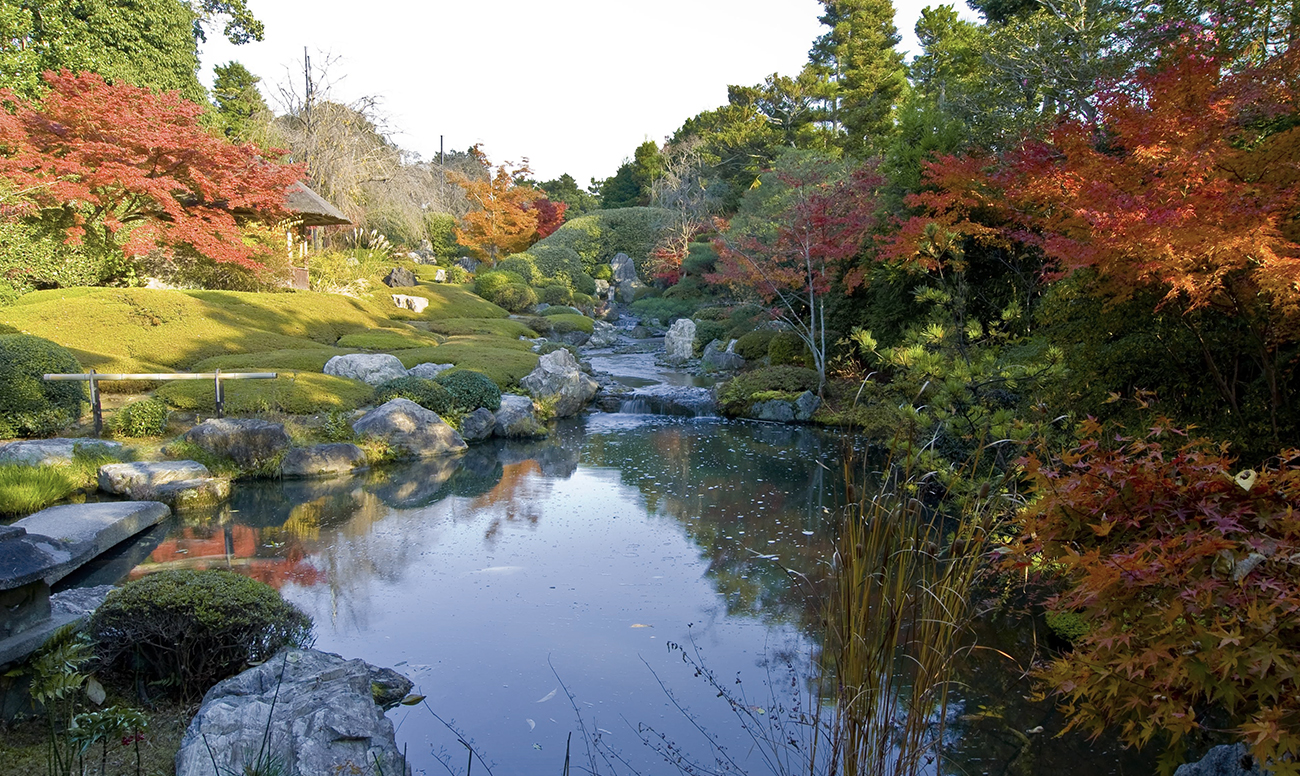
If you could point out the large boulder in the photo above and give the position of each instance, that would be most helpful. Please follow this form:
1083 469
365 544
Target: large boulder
248 442
777 410
1226 760
411 430
370 368
558 378
139 480
48 452
624 268
721 358
807 404
478 425
399 277
679 343
416 304
185 495
429 371
314 712
603 335
516 418
322 460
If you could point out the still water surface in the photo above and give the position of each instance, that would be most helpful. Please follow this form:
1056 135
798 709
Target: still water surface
497 580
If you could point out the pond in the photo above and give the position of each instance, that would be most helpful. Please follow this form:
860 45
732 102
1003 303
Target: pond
533 589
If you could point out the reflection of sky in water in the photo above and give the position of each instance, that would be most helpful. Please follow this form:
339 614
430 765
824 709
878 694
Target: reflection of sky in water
592 550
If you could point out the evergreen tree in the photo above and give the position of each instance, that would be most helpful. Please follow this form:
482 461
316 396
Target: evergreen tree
630 186
861 70
242 114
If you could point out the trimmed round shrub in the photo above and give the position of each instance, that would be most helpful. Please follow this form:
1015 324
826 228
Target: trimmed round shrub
708 331
602 272
539 323
515 297
471 390
753 346
786 348
30 406
559 310
190 629
523 265
146 418
557 295
584 283
488 283
426 393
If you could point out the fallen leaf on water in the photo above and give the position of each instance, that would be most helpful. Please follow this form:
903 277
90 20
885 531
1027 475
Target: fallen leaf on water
411 700
531 724
549 695
642 625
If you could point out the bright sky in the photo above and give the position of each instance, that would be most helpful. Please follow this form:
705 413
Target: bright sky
574 85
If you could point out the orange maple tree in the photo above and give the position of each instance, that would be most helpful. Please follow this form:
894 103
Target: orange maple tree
503 220
132 170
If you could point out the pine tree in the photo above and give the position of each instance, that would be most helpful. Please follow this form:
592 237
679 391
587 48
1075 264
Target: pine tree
242 114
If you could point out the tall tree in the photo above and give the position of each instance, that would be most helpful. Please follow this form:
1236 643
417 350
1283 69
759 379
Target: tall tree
630 185
862 69
242 113
502 221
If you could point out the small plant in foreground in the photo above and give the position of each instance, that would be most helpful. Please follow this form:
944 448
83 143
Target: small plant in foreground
145 418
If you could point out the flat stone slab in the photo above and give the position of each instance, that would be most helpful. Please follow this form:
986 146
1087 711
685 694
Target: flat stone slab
322 460
140 480
48 452
26 558
66 607
90 529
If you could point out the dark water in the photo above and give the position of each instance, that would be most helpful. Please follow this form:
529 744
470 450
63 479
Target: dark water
493 580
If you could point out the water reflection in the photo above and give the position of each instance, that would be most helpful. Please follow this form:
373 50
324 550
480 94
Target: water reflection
587 552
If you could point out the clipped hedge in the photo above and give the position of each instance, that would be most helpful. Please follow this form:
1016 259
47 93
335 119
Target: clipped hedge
736 396
145 418
786 347
29 405
753 346
426 393
470 390
190 629
563 324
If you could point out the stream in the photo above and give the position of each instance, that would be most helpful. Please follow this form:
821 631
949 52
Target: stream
534 590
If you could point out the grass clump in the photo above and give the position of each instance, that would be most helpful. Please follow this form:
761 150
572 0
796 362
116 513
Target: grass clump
470 390
304 393
144 418
497 327
386 340
190 629
27 489
426 393
29 405
739 393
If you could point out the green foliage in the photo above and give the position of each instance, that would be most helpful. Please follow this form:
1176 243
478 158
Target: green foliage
551 312
1068 626
29 405
386 340
27 489
426 393
144 418
499 327
470 390
34 255
603 272
306 360
487 283
596 238
708 331
522 264
505 361
191 629
337 426
630 185
701 258
666 310
753 346
507 289
738 393
557 295
302 393
515 297
786 347
351 272
563 324
242 114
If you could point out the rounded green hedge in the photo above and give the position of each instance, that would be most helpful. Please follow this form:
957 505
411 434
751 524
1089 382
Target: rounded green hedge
190 629
471 390
146 418
515 297
753 346
787 348
557 294
426 393
30 406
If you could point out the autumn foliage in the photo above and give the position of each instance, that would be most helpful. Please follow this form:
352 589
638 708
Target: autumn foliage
1187 574
133 170
504 220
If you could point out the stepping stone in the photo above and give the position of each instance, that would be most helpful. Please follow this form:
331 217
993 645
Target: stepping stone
183 495
48 452
87 530
141 479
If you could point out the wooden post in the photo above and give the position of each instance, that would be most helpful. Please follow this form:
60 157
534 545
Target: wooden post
221 400
96 412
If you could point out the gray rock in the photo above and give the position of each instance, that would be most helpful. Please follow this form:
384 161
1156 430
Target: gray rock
185 495
558 378
478 425
665 399
1227 760
370 368
624 268
140 479
26 558
79 601
440 276
416 304
322 460
399 277
468 264
48 452
246 441
516 418
429 371
639 332
541 307
603 335
627 290
717 358
776 410
679 343
603 289
574 338
410 429
84 531
807 404
321 712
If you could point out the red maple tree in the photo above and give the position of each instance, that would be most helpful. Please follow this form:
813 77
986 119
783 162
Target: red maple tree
503 221
550 215
133 169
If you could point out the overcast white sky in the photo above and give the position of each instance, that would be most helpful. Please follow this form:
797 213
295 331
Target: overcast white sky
574 85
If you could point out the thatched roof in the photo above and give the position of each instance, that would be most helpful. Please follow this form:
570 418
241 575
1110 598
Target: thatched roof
312 207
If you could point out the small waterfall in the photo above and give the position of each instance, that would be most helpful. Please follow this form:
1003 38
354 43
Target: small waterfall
682 401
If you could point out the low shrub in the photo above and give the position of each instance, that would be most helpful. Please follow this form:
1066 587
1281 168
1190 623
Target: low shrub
189 629
686 288
712 314
560 310
29 405
470 390
486 284
504 361
786 347
706 332
666 310
515 297
603 272
701 258
540 324
26 489
521 264
563 324
426 393
557 294
305 360
385 340
739 392
753 346
145 418
499 327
